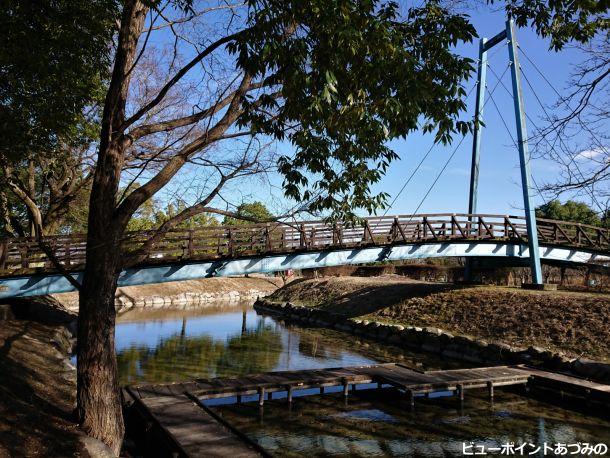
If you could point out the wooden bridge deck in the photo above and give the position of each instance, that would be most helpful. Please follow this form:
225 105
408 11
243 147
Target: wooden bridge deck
179 410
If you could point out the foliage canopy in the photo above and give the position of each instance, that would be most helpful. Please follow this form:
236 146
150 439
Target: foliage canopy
571 210
352 76
54 58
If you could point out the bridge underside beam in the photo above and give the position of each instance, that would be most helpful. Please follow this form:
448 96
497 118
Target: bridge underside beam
37 285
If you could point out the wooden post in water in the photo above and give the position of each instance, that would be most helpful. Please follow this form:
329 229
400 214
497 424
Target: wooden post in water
410 398
261 396
490 390
289 394
460 391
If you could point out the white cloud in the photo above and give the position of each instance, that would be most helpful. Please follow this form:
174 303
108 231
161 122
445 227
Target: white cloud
590 154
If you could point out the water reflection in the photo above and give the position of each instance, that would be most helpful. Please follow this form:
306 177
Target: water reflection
378 424
179 357
216 344
231 340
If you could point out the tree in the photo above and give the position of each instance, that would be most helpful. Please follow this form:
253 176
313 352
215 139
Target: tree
337 79
577 212
248 212
54 60
562 21
152 214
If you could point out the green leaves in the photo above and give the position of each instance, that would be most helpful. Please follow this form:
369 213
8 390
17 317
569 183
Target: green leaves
53 61
560 20
252 210
577 212
353 75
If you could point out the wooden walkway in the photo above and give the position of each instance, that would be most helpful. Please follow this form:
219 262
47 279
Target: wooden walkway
192 429
179 412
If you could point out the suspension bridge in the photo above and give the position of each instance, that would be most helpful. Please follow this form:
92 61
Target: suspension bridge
237 250
25 269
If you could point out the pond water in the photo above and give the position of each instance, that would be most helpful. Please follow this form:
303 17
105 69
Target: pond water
232 340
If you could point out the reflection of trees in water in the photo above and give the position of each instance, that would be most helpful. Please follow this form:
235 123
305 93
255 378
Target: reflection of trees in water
253 351
313 346
180 357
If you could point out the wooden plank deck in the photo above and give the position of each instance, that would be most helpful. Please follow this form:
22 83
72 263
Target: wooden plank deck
193 430
178 407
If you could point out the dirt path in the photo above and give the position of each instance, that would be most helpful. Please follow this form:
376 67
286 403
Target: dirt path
574 323
38 389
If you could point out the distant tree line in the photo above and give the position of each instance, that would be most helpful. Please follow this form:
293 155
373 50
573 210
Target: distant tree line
571 210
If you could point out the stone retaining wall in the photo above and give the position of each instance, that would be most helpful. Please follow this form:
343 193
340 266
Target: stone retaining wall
185 294
187 299
435 340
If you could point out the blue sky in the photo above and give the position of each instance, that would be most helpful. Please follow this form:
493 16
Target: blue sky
500 183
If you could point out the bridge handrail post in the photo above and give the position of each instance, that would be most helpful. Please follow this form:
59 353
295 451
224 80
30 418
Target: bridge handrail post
67 253
23 252
302 236
191 243
312 238
267 238
340 233
425 224
230 243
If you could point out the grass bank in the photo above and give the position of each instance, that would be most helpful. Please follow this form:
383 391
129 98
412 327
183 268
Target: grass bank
573 323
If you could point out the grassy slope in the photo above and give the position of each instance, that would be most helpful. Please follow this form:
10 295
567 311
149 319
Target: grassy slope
575 323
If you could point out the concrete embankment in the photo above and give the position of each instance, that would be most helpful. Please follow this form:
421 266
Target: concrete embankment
185 294
560 331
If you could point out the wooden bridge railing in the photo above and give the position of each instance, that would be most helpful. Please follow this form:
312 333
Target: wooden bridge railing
218 242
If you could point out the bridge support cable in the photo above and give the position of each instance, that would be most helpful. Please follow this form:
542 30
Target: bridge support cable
588 189
564 101
414 172
505 124
421 162
448 161
508 35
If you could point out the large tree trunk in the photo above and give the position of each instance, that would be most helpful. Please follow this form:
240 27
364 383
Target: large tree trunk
98 397
99 405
